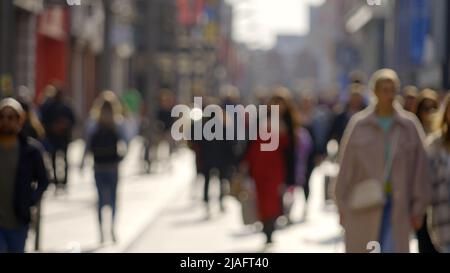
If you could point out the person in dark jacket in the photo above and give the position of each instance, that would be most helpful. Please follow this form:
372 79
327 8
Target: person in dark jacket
59 120
23 178
215 158
354 105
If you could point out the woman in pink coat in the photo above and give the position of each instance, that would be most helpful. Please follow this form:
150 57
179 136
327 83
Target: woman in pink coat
382 144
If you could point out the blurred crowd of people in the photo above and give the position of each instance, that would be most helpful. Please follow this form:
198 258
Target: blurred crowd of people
34 140
394 158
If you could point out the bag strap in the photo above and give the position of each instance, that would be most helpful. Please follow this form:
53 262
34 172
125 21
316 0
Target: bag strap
389 162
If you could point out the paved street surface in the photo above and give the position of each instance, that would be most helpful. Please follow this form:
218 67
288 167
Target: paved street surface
184 228
163 212
69 222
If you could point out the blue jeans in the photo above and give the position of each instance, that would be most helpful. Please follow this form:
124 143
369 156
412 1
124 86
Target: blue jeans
106 182
13 240
386 234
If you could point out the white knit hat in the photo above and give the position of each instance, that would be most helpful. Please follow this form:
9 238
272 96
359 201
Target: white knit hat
14 104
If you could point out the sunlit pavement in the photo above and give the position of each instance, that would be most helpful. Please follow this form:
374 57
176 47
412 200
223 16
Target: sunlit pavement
69 222
163 212
183 227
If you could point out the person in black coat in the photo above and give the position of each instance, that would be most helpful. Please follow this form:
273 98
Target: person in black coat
216 158
355 104
24 177
59 121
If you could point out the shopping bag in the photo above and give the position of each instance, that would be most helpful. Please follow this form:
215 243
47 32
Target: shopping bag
247 198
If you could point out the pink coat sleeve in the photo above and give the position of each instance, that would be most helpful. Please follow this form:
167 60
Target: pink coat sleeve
345 174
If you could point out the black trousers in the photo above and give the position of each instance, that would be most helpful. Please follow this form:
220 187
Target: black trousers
268 229
423 237
208 174
309 170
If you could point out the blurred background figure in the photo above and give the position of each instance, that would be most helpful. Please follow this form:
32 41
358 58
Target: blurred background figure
103 140
157 133
374 193
48 93
439 156
355 104
165 119
132 102
59 121
427 106
303 149
410 94
317 119
147 134
272 171
216 158
307 105
289 123
230 96
32 126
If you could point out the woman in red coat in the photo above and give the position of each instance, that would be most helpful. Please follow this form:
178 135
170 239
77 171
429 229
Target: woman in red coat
270 169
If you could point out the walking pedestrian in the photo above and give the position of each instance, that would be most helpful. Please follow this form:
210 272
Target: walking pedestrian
23 178
316 118
215 158
59 121
303 151
427 106
439 156
269 169
382 189
103 140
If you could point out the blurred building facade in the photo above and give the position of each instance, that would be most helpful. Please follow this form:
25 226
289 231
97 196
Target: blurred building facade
18 28
410 36
185 46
